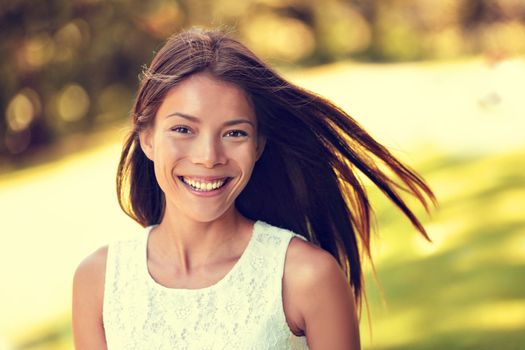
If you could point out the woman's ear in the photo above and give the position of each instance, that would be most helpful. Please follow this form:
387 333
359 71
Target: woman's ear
261 142
146 142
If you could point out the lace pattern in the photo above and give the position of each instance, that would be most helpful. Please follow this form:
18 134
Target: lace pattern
243 310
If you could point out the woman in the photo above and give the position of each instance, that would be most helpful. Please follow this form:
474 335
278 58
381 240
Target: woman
256 221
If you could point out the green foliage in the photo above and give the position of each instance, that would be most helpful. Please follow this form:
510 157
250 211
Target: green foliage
72 66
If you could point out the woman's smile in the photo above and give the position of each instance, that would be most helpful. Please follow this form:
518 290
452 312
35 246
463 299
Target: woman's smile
203 187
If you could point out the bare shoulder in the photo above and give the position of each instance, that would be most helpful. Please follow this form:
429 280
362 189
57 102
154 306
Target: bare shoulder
93 267
320 302
88 281
307 264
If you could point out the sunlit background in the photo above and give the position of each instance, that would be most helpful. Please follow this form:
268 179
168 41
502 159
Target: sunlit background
441 83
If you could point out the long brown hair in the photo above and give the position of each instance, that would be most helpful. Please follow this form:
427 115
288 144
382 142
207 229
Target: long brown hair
307 177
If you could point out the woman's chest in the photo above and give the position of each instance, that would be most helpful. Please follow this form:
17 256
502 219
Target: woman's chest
235 320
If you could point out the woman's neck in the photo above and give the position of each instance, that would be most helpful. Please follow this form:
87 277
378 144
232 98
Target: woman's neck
190 244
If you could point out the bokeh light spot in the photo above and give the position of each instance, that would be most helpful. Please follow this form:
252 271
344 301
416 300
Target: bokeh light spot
343 29
39 50
279 37
72 37
22 109
161 19
114 102
73 103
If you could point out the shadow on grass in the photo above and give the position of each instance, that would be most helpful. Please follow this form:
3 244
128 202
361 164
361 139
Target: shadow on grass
465 339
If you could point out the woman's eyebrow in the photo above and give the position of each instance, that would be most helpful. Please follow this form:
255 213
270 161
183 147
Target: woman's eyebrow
197 120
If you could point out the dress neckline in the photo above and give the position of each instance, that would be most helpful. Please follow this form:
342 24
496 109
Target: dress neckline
151 281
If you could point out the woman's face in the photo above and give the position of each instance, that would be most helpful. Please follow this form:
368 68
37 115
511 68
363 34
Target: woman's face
204 145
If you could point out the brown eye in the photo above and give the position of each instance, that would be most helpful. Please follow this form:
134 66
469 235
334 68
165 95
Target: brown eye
180 130
237 133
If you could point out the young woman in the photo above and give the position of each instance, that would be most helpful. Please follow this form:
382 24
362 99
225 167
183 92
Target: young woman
256 221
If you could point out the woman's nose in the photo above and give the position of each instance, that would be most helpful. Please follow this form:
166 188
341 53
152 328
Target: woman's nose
208 152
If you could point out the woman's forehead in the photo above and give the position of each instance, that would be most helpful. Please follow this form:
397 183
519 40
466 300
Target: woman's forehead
202 93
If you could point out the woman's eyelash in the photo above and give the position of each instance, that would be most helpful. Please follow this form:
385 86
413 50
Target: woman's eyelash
179 128
238 132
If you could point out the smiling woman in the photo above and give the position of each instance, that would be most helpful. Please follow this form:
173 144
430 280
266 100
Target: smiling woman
255 219
203 143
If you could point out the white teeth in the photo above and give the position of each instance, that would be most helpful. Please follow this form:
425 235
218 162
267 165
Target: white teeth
204 186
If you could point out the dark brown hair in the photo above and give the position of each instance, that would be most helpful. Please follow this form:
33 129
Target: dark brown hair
307 179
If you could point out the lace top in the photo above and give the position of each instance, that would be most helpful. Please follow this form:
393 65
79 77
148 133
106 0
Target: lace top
243 310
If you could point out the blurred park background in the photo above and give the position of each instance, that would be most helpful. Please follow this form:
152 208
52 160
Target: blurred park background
441 83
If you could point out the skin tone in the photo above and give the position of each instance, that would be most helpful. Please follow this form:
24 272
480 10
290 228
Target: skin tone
208 128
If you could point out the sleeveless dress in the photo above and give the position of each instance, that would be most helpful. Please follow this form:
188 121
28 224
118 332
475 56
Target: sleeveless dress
243 310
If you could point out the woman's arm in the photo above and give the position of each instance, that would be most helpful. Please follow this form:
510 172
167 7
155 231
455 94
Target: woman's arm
88 296
323 298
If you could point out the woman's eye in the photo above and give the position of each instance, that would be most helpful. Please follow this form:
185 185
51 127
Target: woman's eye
237 133
180 130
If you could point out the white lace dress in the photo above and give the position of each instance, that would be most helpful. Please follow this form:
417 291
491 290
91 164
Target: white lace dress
244 310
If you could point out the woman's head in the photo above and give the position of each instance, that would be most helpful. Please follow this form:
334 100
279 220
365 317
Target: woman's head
203 143
184 55
306 180
187 54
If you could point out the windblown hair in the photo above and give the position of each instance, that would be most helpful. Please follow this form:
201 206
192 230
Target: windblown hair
307 178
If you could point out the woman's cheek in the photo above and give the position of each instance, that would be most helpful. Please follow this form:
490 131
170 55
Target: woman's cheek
179 148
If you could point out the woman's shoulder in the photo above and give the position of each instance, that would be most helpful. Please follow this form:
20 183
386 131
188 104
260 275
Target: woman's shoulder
307 263
94 265
304 262
88 289
302 256
310 270
95 259
91 270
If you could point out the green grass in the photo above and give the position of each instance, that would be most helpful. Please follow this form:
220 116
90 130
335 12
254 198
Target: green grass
467 289
464 291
